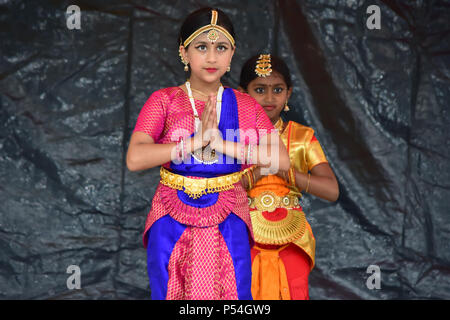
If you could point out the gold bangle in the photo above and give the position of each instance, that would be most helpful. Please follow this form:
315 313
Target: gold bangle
291 175
249 180
307 185
253 175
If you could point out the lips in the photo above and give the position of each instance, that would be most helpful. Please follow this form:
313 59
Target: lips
211 70
269 108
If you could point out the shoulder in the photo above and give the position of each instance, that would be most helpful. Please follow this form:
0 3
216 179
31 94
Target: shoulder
300 131
300 127
166 93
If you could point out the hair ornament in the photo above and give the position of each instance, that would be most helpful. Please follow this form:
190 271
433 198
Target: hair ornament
263 67
213 33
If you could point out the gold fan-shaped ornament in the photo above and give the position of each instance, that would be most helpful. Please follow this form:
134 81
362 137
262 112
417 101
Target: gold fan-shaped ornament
287 230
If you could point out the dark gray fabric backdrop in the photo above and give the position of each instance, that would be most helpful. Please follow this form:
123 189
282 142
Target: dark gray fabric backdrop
69 100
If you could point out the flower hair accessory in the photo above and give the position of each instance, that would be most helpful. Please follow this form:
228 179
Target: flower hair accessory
263 67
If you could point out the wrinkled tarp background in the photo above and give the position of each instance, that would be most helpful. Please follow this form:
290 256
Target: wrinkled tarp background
69 100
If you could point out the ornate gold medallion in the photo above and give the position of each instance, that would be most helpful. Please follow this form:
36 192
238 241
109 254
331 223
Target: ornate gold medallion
213 35
267 201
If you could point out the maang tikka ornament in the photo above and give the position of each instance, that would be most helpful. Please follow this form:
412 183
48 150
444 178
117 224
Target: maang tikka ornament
213 31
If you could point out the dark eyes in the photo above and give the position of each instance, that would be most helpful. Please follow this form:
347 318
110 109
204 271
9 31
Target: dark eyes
202 47
276 90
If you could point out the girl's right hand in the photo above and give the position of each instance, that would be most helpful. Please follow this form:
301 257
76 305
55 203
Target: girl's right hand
201 139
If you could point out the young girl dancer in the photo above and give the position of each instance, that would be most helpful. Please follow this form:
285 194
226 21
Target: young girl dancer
285 246
198 232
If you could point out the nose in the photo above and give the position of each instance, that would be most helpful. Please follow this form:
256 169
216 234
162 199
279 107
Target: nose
269 96
211 55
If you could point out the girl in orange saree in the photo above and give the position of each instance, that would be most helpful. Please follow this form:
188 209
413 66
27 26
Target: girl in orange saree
284 253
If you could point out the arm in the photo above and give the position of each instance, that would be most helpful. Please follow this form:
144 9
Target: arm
271 154
322 183
143 153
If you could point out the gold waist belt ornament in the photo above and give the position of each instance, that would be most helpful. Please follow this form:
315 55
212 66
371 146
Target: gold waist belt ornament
279 232
195 188
269 201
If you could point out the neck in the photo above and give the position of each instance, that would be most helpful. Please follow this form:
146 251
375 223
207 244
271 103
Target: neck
205 87
275 119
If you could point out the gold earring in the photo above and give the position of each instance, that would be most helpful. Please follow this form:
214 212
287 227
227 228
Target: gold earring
228 69
286 107
186 68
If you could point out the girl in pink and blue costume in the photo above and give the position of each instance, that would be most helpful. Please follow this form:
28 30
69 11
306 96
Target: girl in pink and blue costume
198 231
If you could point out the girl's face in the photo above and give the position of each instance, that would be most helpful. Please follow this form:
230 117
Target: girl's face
208 61
271 93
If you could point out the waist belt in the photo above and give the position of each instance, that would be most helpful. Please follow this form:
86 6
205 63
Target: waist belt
269 201
195 188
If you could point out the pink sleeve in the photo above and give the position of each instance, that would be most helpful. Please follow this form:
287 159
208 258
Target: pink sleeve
152 116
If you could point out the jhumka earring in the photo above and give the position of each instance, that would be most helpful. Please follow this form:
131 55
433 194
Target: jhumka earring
286 107
186 68
228 69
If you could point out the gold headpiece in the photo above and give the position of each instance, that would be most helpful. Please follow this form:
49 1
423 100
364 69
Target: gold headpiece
213 31
263 67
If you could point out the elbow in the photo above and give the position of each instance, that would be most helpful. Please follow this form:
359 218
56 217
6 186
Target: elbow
334 197
335 193
131 163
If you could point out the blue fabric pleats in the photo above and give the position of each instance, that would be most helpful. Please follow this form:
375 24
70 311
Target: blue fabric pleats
162 237
235 234
164 234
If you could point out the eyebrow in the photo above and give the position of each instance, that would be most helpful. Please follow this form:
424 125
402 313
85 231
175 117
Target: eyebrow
266 85
205 42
